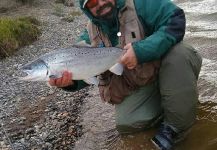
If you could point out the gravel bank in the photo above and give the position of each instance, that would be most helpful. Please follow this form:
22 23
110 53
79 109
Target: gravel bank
32 115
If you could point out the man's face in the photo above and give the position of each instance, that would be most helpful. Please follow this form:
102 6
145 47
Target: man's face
101 9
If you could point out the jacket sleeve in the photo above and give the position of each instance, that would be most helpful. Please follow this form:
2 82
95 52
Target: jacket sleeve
78 84
165 26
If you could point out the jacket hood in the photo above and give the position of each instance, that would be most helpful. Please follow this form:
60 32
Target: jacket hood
119 5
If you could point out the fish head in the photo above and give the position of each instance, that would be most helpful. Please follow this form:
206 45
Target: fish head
35 71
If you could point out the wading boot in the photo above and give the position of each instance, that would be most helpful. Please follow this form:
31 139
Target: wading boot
166 137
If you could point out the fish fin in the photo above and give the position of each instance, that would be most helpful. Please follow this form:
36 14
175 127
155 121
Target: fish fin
92 80
117 69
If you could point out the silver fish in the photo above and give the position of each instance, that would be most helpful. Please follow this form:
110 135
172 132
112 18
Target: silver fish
84 62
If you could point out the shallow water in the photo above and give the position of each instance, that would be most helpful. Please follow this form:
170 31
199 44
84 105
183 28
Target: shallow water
203 135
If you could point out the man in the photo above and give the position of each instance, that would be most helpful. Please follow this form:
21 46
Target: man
160 74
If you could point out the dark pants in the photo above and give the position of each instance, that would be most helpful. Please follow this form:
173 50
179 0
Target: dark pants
176 94
178 85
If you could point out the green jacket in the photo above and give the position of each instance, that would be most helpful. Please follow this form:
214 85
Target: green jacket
163 22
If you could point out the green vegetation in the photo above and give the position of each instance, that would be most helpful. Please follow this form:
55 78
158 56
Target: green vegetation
15 33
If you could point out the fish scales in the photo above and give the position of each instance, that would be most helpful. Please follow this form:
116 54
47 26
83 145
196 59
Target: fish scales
83 62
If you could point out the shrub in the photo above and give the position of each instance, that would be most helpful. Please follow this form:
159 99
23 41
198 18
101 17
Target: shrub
15 33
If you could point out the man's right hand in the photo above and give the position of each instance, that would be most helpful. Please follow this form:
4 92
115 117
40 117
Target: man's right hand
64 81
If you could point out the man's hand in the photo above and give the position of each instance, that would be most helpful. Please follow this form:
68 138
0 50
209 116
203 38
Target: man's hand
64 81
129 58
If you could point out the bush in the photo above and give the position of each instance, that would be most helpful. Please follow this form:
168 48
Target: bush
15 33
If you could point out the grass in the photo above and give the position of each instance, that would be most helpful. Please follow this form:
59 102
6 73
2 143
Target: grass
15 33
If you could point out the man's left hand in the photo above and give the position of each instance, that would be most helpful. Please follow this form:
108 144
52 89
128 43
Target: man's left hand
129 58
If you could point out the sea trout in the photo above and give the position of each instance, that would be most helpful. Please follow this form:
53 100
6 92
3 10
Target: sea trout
84 62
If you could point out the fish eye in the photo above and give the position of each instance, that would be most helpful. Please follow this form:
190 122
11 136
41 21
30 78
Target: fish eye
52 76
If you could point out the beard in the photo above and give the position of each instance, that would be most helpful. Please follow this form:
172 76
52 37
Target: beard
108 15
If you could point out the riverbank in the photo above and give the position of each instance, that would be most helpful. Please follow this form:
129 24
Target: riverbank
33 115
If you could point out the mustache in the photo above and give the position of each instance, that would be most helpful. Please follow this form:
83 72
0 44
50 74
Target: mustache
98 12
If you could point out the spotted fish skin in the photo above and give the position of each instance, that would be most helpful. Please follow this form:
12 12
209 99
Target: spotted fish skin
83 62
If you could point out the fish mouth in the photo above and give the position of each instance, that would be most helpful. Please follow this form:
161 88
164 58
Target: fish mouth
30 76
34 71
27 76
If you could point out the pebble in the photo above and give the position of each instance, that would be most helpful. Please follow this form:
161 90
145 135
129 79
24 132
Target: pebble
39 116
